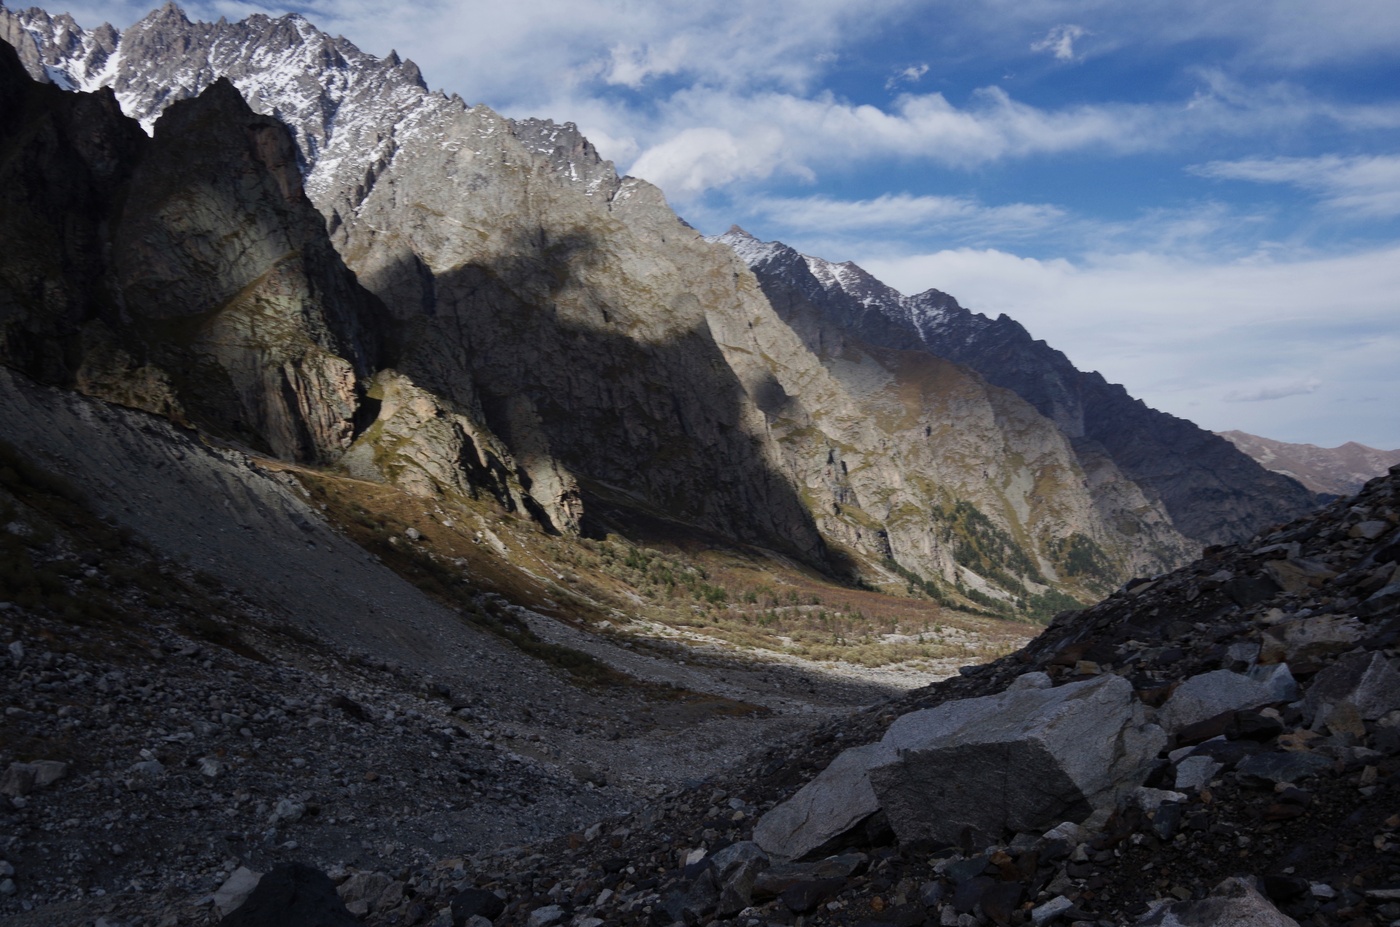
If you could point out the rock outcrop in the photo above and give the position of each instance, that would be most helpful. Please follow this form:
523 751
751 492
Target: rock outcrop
185 274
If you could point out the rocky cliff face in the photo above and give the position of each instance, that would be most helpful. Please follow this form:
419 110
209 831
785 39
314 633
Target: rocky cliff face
559 339
1337 471
1213 493
185 274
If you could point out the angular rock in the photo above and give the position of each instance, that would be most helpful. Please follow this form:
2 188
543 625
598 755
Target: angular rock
1309 638
831 805
1019 761
1298 575
363 890
1381 600
22 778
235 890
293 893
1210 694
1283 766
777 879
476 902
545 916
1047 912
738 866
18 781
695 900
1235 902
1195 771
1368 682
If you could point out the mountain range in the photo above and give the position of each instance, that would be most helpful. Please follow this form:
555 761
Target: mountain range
478 305
1336 471
389 484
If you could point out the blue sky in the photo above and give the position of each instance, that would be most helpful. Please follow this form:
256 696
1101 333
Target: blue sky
1201 200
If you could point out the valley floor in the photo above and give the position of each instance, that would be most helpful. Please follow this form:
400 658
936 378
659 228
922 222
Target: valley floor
237 684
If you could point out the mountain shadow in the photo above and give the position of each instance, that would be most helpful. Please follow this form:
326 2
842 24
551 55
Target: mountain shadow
658 425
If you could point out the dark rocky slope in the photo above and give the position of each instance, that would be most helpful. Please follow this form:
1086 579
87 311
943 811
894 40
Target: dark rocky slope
185 274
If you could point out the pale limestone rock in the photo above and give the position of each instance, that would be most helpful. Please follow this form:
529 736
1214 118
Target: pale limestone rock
1306 638
1235 902
1298 575
235 890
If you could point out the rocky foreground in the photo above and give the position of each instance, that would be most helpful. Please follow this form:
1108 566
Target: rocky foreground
1216 745
1219 745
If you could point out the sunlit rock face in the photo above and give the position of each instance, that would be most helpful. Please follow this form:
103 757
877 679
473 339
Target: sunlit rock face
1211 492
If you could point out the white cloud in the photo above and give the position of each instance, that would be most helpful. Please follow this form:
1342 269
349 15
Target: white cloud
631 65
777 133
1361 186
1270 391
909 75
698 159
1183 335
1059 41
951 216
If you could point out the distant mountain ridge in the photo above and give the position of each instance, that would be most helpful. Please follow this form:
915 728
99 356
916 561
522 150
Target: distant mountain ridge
1338 471
540 331
1211 490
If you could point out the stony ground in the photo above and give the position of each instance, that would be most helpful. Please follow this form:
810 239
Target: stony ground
163 732
328 712
184 759
1303 804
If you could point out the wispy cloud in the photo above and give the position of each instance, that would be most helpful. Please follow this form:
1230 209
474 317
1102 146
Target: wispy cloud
909 75
953 216
1362 186
783 134
1271 391
1059 41
1183 334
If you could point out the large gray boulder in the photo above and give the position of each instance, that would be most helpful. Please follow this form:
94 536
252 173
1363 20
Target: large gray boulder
1234 902
1366 682
832 804
1210 694
1023 760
